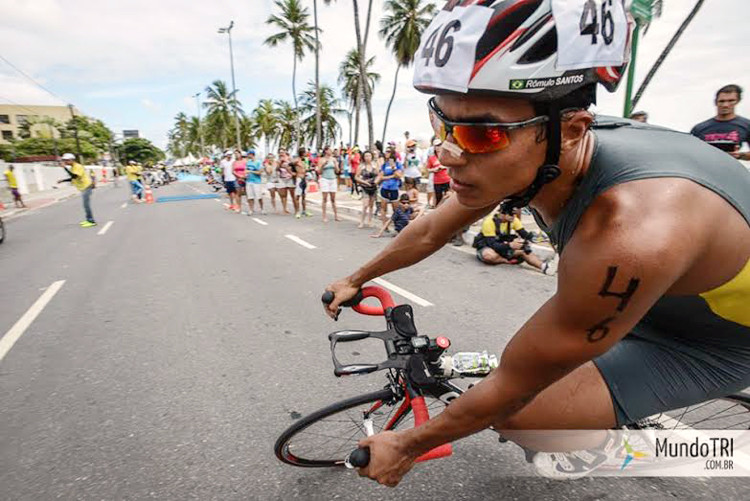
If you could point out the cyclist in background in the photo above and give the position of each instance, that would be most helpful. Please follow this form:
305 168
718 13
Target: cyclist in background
672 289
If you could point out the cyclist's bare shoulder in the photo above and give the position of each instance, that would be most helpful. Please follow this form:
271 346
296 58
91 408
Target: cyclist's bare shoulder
672 223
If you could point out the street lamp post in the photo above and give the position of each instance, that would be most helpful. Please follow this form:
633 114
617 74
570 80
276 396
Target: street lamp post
228 31
200 123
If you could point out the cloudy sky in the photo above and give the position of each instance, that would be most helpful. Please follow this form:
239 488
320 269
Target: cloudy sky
135 63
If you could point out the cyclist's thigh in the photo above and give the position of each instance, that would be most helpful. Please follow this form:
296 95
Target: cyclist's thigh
651 371
579 401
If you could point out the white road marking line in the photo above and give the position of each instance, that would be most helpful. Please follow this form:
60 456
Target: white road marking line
401 292
15 332
300 241
124 205
260 221
106 227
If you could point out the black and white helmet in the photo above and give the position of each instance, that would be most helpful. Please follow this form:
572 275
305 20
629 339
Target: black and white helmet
513 49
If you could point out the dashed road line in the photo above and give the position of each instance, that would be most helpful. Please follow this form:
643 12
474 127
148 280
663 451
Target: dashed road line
15 332
300 241
106 227
402 292
260 221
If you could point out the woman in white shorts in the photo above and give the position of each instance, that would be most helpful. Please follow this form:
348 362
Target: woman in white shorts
328 171
272 178
285 184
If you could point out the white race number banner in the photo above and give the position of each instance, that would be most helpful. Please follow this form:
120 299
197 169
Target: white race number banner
590 33
445 57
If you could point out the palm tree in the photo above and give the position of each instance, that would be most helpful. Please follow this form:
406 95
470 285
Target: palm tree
178 134
329 109
193 137
266 122
220 104
248 133
293 25
362 48
288 131
349 78
317 74
402 29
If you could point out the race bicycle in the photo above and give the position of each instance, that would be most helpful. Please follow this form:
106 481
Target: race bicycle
419 372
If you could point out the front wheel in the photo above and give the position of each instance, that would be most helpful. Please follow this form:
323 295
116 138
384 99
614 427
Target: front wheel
326 437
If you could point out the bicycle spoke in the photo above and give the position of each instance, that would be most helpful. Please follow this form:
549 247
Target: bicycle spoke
713 416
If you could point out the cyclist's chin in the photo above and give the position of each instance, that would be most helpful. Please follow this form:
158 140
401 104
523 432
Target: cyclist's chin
473 197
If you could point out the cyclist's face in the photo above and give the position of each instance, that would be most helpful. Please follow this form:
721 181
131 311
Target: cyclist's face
483 179
726 102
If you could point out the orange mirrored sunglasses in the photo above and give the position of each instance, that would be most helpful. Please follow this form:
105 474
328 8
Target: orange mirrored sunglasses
476 137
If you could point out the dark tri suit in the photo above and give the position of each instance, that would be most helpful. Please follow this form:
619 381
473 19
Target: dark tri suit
686 349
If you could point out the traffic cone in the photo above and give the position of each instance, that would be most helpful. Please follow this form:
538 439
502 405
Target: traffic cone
149 195
2 206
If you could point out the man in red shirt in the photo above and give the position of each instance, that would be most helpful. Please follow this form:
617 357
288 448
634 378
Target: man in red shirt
441 179
354 160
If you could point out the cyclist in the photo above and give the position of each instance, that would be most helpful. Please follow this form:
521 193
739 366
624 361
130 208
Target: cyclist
671 291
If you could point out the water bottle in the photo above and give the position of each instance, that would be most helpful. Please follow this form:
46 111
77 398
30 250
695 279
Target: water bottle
468 363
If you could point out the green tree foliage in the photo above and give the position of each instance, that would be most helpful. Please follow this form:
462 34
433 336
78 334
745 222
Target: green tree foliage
266 122
90 129
45 146
220 105
293 27
329 109
139 150
288 118
349 78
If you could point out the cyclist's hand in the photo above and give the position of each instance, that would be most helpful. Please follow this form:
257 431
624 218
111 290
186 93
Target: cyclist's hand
343 290
389 458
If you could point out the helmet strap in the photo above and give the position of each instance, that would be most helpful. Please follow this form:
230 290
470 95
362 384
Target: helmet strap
549 171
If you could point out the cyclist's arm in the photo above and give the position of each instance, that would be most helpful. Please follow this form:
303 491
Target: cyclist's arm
610 276
419 239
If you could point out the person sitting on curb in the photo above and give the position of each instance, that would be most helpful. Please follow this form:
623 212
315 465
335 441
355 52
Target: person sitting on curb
504 240
402 214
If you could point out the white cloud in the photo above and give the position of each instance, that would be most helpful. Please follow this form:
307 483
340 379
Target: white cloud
111 58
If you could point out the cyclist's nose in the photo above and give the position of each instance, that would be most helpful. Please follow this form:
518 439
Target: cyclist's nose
450 154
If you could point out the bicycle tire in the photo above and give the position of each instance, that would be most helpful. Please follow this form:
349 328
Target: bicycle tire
729 413
312 457
284 448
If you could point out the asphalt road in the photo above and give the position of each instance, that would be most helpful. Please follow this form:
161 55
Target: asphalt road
185 339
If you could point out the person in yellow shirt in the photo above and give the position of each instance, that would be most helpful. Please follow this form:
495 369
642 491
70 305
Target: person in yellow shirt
504 240
13 186
81 180
133 172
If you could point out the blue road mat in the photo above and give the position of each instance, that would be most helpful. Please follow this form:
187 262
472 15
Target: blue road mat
187 197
